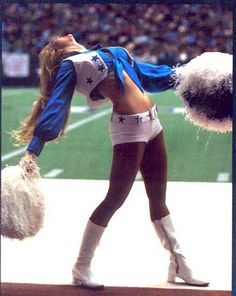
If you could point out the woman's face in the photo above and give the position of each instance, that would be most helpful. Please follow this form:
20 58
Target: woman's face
63 42
66 43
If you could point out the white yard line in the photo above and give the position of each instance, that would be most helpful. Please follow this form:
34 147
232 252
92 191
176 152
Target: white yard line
171 110
13 153
79 109
87 119
69 128
53 173
223 177
178 110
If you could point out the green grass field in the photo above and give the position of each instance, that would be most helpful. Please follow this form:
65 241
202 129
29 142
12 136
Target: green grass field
85 152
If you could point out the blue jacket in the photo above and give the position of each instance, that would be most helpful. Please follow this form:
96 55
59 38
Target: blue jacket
147 77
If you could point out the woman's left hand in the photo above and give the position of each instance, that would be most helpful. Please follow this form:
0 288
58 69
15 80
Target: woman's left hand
28 162
30 155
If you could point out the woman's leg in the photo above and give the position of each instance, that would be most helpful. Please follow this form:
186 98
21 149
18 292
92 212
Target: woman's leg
154 172
126 162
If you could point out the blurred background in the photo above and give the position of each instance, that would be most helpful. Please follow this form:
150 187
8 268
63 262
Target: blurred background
155 33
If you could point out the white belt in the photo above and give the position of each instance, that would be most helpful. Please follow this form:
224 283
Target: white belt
135 119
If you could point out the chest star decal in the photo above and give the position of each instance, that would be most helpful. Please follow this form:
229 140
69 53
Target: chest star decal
89 80
95 58
101 68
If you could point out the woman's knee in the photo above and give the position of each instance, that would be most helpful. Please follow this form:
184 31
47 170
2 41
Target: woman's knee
116 199
107 208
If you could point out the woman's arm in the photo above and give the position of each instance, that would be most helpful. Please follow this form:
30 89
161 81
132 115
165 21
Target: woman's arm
155 78
52 119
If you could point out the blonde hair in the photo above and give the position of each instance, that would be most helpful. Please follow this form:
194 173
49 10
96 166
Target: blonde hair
49 61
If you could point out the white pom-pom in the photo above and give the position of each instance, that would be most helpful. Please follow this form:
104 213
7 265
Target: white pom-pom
205 87
22 208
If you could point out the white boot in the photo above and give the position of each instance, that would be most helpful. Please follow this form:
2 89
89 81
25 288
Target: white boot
178 266
82 274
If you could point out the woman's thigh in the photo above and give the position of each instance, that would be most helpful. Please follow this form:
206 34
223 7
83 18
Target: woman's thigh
125 164
154 168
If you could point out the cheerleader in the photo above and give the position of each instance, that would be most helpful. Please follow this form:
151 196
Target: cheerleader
103 74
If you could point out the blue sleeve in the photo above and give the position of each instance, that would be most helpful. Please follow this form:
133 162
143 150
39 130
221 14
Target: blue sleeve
52 119
154 78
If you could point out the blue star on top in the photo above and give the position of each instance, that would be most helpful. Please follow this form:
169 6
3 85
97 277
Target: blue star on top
95 58
89 80
101 68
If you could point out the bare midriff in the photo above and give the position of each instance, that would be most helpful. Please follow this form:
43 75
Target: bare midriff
131 101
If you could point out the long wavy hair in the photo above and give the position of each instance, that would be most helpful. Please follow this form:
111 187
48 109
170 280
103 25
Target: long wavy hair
49 61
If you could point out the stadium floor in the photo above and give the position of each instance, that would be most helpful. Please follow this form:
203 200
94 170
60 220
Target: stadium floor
130 254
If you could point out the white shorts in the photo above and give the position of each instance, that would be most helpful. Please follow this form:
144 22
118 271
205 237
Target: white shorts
141 127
